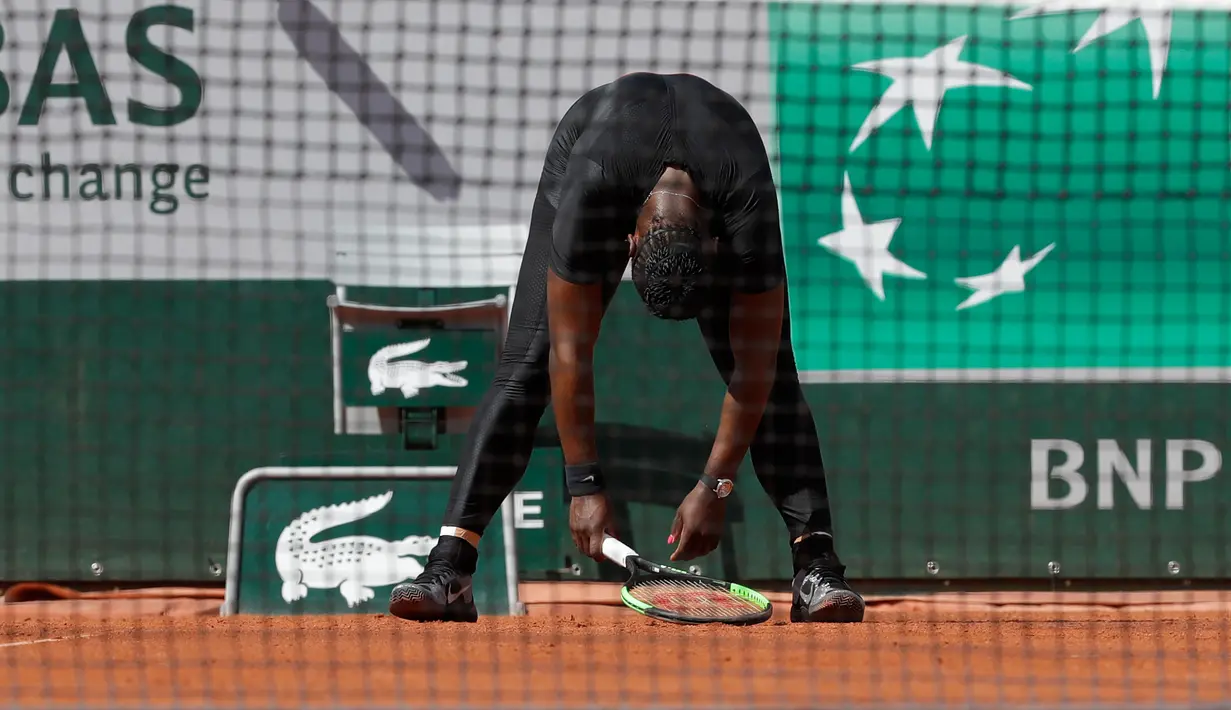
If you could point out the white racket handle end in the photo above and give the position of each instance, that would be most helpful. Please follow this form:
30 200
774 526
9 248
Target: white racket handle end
617 551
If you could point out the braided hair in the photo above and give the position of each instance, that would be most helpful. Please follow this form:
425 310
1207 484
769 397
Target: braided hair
669 271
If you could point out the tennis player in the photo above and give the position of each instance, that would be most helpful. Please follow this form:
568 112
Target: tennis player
670 172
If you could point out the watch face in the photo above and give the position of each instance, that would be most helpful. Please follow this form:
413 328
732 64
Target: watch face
724 488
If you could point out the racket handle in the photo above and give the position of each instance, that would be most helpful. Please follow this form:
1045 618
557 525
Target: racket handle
617 551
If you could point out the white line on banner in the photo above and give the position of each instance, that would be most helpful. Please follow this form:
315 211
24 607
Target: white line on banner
1074 375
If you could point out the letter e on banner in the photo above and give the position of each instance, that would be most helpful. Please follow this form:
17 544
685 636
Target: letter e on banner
523 510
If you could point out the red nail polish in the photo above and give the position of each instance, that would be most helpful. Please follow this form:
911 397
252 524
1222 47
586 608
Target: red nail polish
670 539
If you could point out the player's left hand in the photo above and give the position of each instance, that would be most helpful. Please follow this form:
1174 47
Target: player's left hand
698 524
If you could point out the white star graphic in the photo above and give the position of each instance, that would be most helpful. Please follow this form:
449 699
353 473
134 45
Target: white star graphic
922 82
1155 16
1009 277
867 245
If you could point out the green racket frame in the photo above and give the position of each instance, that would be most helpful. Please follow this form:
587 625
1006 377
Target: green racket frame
642 571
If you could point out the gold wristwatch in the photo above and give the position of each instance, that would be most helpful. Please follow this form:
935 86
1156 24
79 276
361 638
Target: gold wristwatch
722 487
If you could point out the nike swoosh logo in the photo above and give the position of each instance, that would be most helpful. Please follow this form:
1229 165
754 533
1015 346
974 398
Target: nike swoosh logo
587 478
452 596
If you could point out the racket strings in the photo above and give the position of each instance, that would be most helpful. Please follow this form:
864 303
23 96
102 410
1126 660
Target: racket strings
694 598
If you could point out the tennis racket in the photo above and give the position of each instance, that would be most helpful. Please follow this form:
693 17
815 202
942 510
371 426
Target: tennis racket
673 595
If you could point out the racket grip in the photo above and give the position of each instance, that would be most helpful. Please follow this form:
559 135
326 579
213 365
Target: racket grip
617 551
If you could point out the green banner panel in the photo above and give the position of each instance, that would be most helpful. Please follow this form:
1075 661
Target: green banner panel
978 189
992 481
417 367
314 544
132 407
108 463
982 481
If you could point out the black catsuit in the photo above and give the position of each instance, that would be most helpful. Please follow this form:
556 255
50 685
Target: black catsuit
607 154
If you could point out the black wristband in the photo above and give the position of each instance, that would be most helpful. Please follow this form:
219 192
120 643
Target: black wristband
584 479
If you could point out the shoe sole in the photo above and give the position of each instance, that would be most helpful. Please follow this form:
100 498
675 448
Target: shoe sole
838 607
422 610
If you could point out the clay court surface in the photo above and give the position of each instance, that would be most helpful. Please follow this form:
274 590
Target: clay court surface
163 652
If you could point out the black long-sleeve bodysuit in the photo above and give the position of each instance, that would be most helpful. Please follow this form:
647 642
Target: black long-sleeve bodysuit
607 154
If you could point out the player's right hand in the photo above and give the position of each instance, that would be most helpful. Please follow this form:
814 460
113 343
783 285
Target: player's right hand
588 518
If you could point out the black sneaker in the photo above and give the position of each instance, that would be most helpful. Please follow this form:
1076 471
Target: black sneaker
441 593
821 595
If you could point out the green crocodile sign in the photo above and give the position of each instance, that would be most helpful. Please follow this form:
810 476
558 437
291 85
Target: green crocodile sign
335 540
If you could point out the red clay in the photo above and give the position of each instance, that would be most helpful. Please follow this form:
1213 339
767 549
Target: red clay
539 661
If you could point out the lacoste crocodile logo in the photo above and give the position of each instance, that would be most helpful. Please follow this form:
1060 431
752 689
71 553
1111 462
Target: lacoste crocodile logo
353 565
411 376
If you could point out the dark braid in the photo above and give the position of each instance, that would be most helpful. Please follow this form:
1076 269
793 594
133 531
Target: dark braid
668 271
